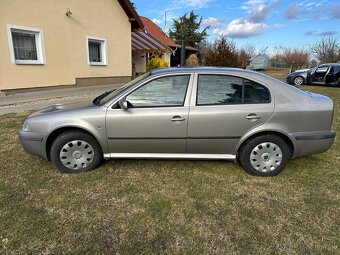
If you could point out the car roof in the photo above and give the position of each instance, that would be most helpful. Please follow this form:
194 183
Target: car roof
330 64
196 69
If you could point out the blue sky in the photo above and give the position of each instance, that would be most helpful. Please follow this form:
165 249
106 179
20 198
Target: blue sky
260 23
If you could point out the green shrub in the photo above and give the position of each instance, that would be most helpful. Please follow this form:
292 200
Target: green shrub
156 63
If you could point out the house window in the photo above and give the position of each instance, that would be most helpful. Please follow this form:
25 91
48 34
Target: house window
26 45
97 52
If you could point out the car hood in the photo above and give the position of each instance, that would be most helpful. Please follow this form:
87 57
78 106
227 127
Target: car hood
63 107
300 71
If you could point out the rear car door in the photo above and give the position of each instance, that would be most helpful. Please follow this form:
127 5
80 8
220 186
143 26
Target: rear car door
320 74
223 108
330 76
156 120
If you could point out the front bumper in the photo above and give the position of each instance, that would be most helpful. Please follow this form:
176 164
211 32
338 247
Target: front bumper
34 143
290 79
308 143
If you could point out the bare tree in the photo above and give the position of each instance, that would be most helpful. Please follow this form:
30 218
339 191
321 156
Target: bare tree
203 46
313 62
327 49
245 55
295 58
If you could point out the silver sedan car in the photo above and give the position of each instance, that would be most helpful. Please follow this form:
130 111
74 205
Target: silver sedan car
186 113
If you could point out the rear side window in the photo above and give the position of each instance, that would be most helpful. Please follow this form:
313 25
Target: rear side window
255 93
225 90
219 89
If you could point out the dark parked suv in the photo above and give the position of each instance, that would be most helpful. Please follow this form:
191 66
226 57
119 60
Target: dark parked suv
325 74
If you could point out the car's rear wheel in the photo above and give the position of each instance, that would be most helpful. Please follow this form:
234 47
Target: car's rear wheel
265 155
75 151
298 81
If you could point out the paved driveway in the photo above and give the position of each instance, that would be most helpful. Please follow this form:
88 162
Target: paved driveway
35 100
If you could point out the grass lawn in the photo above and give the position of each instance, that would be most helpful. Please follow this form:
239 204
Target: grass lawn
173 207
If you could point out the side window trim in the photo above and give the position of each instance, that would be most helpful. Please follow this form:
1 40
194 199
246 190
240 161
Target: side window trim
194 102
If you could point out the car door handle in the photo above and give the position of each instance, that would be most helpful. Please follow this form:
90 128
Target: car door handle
253 116
177 118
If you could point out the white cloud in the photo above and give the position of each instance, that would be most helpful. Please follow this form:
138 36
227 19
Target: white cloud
261 12
278 25
193 3
251 3
252 24
212 22
325 33
241 28
157 21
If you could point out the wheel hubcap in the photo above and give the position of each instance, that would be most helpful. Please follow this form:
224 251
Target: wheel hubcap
298 81
266 157
76 155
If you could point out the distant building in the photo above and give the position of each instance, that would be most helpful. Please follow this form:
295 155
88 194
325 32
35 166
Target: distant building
173 59
66 42
260 62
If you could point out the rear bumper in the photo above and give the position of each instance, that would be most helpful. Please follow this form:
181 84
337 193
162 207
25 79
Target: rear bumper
307 143
34 143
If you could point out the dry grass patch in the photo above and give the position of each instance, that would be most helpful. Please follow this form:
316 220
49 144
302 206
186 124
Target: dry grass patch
174 207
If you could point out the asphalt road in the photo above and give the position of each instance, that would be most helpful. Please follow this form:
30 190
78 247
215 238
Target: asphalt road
35 100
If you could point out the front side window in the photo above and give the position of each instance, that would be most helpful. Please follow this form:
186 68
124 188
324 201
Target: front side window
26 45
162 92
96 51
322 69
224 90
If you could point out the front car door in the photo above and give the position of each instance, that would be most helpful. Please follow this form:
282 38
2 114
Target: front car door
156 120
320 74
223 109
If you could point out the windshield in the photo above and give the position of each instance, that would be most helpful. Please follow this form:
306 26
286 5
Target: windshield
312 70
105 98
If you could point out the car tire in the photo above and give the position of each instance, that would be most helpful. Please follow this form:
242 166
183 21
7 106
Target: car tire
298 81
265 155
75 152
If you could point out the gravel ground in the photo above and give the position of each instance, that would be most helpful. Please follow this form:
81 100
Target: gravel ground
36 100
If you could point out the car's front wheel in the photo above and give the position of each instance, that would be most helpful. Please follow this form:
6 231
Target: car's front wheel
298 81
75 151
265 155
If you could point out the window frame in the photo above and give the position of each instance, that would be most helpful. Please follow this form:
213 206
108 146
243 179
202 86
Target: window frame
243 90
39 44
103 51
161 106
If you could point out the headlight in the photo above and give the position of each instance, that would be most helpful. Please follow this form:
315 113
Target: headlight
26 127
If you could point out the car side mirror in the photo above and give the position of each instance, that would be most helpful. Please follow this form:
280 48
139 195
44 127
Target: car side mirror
123 104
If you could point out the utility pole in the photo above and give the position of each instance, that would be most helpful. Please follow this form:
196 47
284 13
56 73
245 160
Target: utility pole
183 52
183 46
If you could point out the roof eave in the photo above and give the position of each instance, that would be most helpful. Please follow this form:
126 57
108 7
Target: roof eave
131 12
